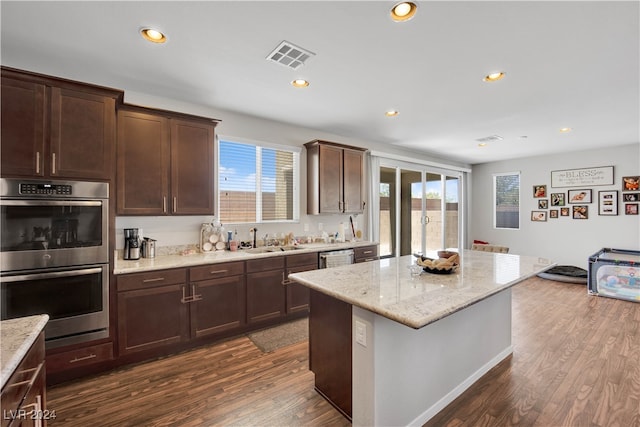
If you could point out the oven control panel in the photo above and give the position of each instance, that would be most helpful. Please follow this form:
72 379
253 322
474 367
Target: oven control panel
60 189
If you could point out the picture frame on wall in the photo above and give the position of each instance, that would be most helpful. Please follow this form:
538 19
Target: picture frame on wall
608 202
539 191
543 204
581 212
631 197
553 213
564 211
631 208
557 199
538 216
580 196
630 183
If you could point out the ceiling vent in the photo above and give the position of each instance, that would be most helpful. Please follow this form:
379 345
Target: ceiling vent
490 138
290 55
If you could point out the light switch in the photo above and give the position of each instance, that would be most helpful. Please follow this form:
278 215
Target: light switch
361 333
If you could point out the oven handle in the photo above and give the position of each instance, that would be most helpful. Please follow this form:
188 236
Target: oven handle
51 202
52 275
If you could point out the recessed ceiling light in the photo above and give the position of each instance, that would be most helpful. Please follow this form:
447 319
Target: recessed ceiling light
153 35
493 77
403 11
299 83
565 130
482 144
391 113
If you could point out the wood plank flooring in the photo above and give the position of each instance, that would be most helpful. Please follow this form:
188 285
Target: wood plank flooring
576 362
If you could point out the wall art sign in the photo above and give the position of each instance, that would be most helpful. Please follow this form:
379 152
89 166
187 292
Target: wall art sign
582 177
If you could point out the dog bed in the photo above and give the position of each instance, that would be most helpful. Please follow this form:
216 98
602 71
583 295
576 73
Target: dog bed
565 273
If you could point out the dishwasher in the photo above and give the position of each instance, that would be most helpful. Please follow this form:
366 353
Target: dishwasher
335 258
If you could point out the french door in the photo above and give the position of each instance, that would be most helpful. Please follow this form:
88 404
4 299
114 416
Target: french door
419 209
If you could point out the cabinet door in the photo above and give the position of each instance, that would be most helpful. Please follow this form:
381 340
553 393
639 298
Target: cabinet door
297 294
330 179
143 164
83 127
221 307
353 185
23 123
151 318
265 296
192 158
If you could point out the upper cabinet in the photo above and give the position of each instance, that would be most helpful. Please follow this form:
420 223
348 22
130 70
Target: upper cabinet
335 178
54 128
165 163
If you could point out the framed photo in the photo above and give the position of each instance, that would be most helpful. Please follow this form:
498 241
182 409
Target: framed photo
538 215
630 183
564 211
580 196
581 212
539 191
543 204
553 213
608 202
557 199
631 197
631 208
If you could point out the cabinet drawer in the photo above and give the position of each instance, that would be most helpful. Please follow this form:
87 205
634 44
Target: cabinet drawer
214 271
80 357
264 264
129 282
302 259
365 253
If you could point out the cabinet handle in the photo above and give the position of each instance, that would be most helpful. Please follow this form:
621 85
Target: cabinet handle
164 204
369 259
367 252
30 381
157 279
175 204
340 206
37 409
285 280
194 295
185 299
37 162
219 271
53 163
80 359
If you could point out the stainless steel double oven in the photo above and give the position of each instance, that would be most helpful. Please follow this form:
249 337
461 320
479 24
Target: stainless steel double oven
55 256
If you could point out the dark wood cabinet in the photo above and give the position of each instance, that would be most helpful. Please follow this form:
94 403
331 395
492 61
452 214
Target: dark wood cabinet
23 398
334 178
297 295
365 253
219 295
265 290
165 163
152 310
56 128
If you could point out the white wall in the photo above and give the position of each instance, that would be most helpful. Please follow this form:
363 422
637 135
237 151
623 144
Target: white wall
170 231
564 240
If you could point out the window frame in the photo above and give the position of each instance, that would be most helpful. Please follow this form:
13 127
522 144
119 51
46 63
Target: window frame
495 200
260 145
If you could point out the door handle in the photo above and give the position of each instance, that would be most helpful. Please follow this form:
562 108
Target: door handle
53 163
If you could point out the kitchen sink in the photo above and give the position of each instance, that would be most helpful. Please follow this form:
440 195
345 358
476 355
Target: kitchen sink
268 249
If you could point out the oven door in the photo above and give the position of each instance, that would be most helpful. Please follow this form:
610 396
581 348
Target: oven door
53 233
76 300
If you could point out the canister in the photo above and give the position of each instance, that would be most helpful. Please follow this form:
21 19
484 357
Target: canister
148 248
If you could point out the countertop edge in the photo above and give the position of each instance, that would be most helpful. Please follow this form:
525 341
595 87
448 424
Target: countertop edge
18 335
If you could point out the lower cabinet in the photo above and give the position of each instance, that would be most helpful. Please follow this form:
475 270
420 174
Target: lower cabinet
365 253
265 292
297 295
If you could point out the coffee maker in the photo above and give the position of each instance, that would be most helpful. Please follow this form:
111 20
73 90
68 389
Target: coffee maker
131 244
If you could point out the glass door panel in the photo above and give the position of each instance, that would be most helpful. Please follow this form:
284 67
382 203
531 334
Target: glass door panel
411 212
434 212
452 212
387 212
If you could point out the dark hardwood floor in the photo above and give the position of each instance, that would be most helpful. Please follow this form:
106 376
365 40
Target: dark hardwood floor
576 362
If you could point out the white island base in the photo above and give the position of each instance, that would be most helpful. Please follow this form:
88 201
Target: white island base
405 376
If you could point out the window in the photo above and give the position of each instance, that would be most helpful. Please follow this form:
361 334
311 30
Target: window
257 183
506 196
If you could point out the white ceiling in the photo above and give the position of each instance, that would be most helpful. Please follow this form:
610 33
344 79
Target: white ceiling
568 64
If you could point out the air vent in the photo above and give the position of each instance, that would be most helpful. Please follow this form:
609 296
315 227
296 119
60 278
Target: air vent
490 138
290 55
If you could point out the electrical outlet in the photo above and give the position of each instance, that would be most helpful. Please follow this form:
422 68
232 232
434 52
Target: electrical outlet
361 333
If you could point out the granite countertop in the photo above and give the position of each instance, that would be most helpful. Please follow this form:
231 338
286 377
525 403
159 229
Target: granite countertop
386 287
17 336
176 261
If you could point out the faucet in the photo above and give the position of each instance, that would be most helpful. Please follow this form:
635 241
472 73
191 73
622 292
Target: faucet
255 233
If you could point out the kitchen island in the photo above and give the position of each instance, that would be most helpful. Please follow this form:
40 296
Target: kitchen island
389 348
